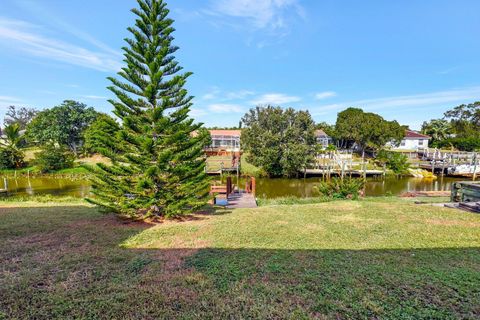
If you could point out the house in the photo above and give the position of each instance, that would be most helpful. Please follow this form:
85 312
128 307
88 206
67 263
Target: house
413 140
226 140
322 138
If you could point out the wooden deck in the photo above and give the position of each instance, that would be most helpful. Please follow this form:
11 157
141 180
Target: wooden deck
241 200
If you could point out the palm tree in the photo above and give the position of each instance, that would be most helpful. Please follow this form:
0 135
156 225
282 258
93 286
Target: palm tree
13 136
438 129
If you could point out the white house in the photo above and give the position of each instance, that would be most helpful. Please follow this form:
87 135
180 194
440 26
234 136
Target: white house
322 138
412 141
228 140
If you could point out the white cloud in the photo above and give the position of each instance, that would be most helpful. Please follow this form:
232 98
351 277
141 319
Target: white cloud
40 11
6 101
195 112
217 94
325 95
261 14
25 37
417 100
93 97
275 99
225 108
238 95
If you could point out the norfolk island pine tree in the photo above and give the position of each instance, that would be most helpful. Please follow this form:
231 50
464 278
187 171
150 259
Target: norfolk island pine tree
157 153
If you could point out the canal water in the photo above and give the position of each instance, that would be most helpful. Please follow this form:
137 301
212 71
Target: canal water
266 188
47 186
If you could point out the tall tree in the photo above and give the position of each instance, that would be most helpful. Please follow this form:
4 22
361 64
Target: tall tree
368 130
63 125
159 167
102 133
465 120
281 142
21 116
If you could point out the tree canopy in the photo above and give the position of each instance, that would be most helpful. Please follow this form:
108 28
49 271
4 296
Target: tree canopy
102 133
438 129
368 130
63 125
281 142
158 169
465 120
21 116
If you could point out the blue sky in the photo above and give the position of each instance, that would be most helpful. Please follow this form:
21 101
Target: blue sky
406 60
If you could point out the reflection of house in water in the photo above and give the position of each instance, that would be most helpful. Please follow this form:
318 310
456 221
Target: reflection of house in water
225 140
323 139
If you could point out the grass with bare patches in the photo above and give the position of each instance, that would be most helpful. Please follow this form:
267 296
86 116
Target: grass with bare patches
378 258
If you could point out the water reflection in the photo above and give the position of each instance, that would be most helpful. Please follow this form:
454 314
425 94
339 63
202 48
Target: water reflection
23 186
266 188
274 188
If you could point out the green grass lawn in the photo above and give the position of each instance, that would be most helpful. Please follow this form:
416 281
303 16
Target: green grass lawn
381 258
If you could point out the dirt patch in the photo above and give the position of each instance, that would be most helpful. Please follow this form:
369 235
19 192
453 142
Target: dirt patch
111 221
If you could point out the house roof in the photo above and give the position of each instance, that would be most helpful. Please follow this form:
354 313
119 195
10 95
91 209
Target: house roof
232 133
409 134
320 133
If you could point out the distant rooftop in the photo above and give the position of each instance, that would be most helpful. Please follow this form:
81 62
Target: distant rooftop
320 133
233 133
409 134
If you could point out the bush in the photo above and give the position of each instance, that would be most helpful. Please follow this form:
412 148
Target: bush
54 158
395 161
11 159
462 144
337 188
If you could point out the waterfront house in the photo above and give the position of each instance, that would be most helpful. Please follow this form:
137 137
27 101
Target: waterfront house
225 140
413 140
323 139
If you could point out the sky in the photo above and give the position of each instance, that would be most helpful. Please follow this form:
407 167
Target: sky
406 60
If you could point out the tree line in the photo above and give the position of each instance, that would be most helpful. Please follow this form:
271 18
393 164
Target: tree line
156 150
282 142
459 128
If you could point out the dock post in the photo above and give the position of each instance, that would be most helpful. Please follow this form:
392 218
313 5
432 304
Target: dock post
5 184
474 166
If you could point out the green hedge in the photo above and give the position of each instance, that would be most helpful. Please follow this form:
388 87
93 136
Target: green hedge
462 144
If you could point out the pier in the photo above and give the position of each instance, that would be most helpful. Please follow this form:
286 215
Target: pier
232 197
454 164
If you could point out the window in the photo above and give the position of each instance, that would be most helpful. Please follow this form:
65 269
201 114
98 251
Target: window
402 144
420 142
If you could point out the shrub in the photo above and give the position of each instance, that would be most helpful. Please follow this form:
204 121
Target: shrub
395 161
11 159
337 188
54 158
462 144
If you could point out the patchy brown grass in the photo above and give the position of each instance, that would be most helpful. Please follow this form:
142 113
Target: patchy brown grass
344 260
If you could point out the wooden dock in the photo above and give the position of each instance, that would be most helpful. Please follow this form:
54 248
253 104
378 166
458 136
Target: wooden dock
465 191
231 197
241 200
355 173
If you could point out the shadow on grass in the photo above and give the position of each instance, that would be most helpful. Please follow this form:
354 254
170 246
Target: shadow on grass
66 262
